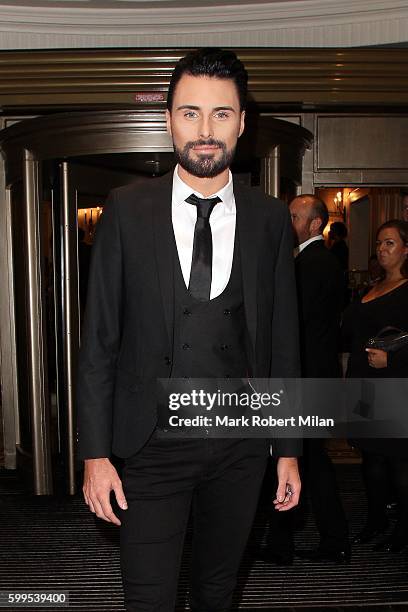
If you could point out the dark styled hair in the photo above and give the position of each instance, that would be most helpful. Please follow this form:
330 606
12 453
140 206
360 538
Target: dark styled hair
211 62
339 229
402 229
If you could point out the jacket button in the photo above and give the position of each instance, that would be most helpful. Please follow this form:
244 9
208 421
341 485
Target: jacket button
224 347
186 346
167 361
227 312
186 312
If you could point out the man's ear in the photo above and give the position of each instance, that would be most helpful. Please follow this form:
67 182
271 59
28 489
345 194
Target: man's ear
315 225
242 123
168 121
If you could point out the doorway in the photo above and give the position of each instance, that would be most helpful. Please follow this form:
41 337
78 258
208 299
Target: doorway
362 209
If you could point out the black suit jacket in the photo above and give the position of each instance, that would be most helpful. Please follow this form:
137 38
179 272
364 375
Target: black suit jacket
127 338
320 286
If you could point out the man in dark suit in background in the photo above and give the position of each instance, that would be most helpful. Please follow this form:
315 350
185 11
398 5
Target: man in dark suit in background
191 276
319 284
320 287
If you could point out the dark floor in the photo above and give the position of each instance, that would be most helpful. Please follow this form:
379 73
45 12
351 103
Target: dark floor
56 544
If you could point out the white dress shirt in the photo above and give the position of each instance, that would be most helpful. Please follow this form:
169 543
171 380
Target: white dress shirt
306 243
222 222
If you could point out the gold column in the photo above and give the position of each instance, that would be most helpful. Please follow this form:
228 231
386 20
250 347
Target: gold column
40 414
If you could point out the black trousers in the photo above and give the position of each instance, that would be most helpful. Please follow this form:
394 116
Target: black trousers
325 498
382 475
221 479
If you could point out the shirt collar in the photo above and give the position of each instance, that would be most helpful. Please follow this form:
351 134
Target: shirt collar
181 191
307 242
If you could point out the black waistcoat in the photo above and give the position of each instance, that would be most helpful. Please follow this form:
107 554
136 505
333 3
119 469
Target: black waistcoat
210 337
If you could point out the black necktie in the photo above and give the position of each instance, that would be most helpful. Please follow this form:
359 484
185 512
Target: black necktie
201 265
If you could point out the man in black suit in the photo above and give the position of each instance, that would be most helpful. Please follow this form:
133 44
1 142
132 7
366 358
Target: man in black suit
319 284
320 287
191 276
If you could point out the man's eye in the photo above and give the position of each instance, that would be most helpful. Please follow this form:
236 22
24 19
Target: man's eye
190 114
222 115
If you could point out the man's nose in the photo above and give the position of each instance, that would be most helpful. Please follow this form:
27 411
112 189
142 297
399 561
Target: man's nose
206 128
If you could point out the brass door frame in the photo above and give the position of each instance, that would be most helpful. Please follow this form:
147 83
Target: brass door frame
37 354
24 147
71 317
8 371
72 184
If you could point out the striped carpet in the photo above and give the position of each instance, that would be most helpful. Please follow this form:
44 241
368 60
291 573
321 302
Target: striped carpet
56 544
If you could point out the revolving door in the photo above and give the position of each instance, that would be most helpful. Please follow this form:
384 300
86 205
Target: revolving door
58 171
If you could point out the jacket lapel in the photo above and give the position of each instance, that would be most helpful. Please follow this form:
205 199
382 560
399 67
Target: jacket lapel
247 227
164 247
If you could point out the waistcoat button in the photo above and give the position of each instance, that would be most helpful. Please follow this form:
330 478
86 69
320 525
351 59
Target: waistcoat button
227 311
185 347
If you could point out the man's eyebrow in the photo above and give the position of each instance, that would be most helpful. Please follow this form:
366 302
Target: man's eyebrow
229 108
197 108
189 106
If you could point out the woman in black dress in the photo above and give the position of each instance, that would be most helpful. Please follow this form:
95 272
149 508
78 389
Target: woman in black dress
384 461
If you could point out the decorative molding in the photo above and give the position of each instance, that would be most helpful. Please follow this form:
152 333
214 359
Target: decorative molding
290 23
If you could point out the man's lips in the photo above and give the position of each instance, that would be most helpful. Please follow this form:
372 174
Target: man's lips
202 148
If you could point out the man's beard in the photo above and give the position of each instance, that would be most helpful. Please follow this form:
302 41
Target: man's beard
205 166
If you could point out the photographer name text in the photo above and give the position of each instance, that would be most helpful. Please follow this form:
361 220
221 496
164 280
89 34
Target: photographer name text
254 420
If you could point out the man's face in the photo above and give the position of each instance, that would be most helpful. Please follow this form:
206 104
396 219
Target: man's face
205 123
300 214
405 208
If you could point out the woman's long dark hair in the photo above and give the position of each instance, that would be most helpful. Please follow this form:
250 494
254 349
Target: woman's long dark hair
402 229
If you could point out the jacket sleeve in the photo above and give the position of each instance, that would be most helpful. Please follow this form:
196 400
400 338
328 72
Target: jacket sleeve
100 341
285 362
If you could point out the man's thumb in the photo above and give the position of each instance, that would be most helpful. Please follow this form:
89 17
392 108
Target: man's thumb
280 493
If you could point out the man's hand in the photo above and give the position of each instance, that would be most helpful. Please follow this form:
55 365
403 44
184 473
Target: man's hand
100 478
287 495
376 358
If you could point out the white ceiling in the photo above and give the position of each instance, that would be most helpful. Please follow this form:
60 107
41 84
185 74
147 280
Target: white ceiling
117 4
44 24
